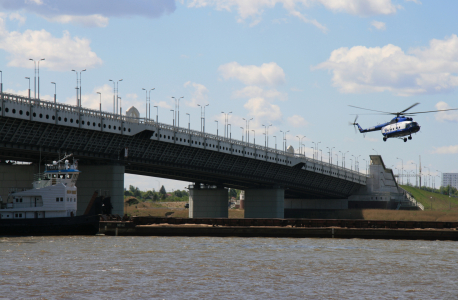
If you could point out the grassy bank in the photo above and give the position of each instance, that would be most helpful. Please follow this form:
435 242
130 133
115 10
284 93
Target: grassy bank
433 201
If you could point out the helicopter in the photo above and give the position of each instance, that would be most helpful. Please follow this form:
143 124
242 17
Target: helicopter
402 126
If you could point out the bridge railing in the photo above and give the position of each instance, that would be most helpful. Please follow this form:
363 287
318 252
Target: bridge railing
149 122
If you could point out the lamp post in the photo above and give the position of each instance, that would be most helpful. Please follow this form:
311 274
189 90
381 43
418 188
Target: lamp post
230 131
29 85
173 117
202 117
416 174
266 130
365 162
157 114
243 132
321 152
189 121
429 172
115 95
226 121
247 128
1 81
254 138
337 159
149 103
55 91
216 128
78 101
100 100
275 142
146 101
177 109
440 178
120 106
351 164
284 139
375 151
402 172
35 78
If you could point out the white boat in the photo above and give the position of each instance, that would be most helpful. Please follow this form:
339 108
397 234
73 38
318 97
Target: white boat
53 200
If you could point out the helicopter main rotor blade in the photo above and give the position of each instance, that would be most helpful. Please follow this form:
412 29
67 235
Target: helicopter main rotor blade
413 105
371 109
430 111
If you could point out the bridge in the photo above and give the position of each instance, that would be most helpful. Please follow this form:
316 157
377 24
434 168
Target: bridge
109 145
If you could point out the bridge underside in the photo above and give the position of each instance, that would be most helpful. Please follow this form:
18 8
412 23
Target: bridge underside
27 140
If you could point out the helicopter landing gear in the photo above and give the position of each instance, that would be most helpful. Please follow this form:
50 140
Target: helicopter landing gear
405 140
384 139
410 137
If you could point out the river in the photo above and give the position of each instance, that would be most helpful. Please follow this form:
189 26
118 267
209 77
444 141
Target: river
102 267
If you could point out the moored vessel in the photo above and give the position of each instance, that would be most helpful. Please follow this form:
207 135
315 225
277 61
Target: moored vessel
49 207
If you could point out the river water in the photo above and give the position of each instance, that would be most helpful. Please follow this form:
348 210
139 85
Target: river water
101 267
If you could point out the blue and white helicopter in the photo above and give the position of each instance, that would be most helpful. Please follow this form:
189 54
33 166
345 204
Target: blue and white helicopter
401 126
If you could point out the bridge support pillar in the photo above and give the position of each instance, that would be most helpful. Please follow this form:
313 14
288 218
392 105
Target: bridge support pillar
108 180
265 203
208 202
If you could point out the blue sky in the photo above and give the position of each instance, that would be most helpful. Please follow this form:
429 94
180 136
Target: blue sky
295 64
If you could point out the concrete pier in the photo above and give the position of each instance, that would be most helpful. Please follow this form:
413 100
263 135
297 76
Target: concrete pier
264 203
208 202
16 176
107 179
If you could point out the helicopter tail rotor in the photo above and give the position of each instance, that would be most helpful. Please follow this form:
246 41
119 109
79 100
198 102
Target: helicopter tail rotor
354 123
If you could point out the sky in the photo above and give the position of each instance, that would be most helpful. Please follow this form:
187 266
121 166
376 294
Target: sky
292 64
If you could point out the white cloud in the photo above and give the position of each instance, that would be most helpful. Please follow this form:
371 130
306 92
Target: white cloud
267 74
255 91
378 25
86 21
446 150
198 96
446 115
424 70
20 18
262 110
255 8
90 12
297 121
61 54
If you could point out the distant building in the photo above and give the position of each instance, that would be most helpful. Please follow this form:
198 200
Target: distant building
450 179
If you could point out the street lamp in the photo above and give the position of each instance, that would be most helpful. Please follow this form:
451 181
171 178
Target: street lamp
29 85
226 121
35 78
149 102
173 116
177 107
402 172
254 138
440 178
55 91
416 175
146 102
247 128
157 114
202 117
266 142
1 81
100 100
275 142
375 151
229 127
78 102
243 132
216 128
115 94
189 121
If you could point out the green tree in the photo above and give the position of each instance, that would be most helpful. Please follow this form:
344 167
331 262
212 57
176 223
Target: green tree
178 193
163 191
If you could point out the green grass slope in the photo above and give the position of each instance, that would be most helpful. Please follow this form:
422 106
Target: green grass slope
433 201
